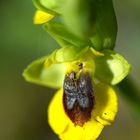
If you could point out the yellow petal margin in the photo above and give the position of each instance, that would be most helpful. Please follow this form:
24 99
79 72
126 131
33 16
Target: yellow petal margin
103 114
41 17
106 104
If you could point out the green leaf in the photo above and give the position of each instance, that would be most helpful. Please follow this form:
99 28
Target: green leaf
111 68
37 73
60 33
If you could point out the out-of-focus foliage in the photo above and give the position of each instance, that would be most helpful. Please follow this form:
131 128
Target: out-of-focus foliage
22 105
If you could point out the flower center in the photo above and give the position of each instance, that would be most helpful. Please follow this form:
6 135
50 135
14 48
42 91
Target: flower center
78 98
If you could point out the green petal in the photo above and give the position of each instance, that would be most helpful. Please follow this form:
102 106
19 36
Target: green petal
111 68
51 76
60 32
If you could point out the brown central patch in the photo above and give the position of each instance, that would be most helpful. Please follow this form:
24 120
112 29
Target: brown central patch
78 99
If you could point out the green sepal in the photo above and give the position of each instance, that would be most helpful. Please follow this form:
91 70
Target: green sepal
78 17
50 6
105 27
111 68
70 53
65 54
94 19
41 5
37 73
60 33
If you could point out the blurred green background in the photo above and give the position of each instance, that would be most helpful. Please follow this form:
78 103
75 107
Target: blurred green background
23 106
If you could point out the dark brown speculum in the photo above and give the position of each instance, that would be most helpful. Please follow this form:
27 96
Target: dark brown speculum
78 99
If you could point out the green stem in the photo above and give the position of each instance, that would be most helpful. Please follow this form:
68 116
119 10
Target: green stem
131 93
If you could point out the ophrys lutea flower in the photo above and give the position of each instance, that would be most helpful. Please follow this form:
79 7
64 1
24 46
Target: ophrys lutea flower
85 102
